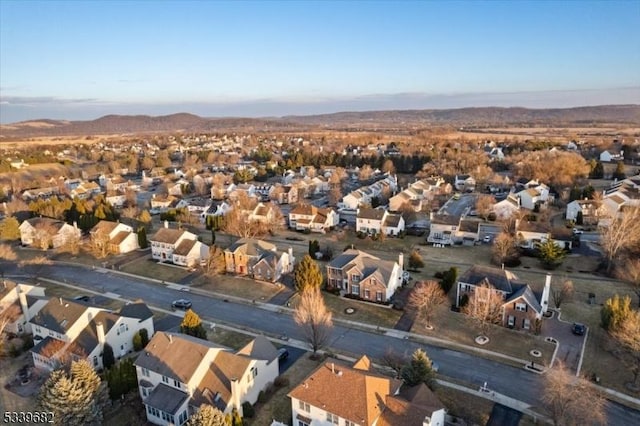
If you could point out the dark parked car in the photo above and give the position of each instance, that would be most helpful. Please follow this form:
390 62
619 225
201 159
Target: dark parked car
283 354
83 298
578 329
181 304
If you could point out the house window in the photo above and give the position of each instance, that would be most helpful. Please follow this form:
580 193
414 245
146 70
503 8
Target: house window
183 417
512 320
332 418
349 423
176 383
145 372
379 296
95 361
301 423
367 294
522 307
165 379
355 278
304 406
355 289
144 392
526 324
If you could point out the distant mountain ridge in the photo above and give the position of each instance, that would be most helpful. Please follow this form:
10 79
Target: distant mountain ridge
190 123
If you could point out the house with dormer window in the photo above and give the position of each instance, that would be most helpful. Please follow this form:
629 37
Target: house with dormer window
177 373
65 330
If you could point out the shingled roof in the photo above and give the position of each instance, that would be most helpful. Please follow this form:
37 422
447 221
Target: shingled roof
500 279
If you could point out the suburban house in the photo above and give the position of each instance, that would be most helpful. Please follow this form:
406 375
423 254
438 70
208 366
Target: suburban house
66 329
263 213
83 190
521 307
416 193
464 183
44 232
364 194
590 210
113 237
162 203
376 221
442 229
177 246
338 394
609 156
258 259
506 208
365 276
284 194
306 216
621 194
177 373
20 302
40 193
216 208
532 233
534 194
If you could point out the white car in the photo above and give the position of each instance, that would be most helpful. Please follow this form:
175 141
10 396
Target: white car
406 276
577 231
487 239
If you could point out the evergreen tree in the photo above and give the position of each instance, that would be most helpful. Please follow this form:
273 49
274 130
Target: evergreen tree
314 247
207 416
550 255
192 325
619 173
142 237
213 236
418 370
614 311
107 357
307 274
144 335
449 278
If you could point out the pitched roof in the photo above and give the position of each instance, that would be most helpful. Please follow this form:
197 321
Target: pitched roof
46 222
368 265
87 340
251 247
260 348
59 314
119 237
373 214
444 219
410 407
527 294
357 395
167 235
499 279
137 310
304 209
174 355
184 247
104 227
392 220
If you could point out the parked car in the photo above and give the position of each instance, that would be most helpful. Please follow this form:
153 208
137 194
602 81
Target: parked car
487 239
578 329
577 231
181 304
83 298
283 354
406 276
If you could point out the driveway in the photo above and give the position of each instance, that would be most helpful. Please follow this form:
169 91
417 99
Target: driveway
570 345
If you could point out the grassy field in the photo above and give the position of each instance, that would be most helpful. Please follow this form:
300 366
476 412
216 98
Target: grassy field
364 312
237 286
150 268
228 338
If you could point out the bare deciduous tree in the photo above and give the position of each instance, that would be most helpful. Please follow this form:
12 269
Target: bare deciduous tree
7 252
571 400
504 248
622 233
395 360
629 271
484 307
315 319
365 172
215 264
484 204
562 294
425 297
8 314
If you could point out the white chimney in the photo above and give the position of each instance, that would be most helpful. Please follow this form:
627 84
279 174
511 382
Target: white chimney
100 333
401 261
166 223
290 253
235 396
22 296
170 338
60 299
75 224
544 299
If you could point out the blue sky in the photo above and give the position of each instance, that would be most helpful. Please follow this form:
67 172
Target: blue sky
81 60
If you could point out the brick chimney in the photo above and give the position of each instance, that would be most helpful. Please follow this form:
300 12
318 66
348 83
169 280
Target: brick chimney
22 296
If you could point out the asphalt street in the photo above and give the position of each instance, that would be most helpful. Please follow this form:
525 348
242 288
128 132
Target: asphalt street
514 382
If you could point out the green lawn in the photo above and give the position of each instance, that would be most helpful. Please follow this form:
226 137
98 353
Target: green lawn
242 287
150 268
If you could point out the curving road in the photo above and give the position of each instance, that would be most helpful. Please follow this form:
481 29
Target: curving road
513 382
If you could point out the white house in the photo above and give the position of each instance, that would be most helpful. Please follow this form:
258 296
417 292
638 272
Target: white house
506 208
365 276
376 221
116 198
339 394
65 329
167 241
306 216
118 237
464 183
590 210
20 302
534 195
45 232
443 228
607 156
177 373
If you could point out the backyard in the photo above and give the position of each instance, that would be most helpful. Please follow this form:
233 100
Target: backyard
242 287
